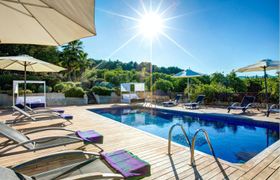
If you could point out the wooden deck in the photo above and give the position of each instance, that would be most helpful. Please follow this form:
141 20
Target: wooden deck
152 149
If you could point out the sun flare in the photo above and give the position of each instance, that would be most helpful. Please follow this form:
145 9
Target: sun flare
150 25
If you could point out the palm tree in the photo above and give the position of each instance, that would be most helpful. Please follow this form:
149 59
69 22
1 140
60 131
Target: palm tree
72 57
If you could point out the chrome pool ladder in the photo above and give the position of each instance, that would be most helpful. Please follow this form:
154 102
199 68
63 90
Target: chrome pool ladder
190 143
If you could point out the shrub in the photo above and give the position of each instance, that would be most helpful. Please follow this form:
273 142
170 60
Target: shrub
106 84
74 92
21 92
102 91
213 92
63 86
41 89
86 85
163 85
59 87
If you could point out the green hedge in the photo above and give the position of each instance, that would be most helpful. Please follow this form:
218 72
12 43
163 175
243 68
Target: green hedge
163 85
74 92
63 86
102 91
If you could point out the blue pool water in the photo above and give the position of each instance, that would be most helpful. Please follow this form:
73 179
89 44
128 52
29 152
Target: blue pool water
234 139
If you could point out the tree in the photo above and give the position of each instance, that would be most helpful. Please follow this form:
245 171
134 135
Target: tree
73 58
163 85
235 82
218 78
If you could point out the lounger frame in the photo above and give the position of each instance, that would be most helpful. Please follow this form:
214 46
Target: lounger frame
40 140
94 175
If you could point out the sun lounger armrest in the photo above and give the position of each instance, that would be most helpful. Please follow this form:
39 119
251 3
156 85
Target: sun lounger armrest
96 175
272 106
47 129
235 104
38 140
27 107
248 105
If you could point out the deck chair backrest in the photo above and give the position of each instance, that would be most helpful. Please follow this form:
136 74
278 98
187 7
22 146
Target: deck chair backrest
21 111
200 98
177 98
14 135
247 100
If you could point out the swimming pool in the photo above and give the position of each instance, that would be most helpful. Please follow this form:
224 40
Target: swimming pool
234 139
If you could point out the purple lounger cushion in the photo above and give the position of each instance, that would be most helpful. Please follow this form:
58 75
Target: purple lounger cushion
90 136
126 163
66 116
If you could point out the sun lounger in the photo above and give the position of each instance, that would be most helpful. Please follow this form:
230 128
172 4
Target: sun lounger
245 104
273 109
33 116
172 103
196 104
120 164
40 110
131 98
22 140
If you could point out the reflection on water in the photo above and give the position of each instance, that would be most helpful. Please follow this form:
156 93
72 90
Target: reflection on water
234 140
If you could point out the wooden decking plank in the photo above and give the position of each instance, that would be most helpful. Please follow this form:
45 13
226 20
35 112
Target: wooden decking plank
149 148
174 168
200 164
275 175
275 163
264 174
215 171
260 166
225 174
236 174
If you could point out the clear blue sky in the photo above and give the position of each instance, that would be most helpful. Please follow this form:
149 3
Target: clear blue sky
220 34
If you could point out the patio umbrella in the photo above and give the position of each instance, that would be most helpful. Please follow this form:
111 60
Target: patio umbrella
188 73
27 63
46 22
263 65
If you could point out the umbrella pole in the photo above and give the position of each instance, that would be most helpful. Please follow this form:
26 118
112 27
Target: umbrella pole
265 84
24 92
188 89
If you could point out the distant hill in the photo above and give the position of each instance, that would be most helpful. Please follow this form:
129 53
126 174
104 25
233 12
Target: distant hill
132 65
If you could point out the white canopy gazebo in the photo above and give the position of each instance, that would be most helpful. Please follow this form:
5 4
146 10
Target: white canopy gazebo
129 90
35 100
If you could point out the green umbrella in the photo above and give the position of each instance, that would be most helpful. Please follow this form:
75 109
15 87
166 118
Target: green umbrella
188 73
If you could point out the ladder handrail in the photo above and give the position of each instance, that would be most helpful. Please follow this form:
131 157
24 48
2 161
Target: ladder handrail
170 133
193 144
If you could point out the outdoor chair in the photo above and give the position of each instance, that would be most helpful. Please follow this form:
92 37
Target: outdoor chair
172 103
245 104
120 164
37 110
131 98
196 104
34 116
17 139
273 109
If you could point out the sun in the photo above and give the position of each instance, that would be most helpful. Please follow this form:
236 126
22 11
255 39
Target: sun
150 25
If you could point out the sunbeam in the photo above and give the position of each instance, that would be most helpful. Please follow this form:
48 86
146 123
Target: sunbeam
116 14
178 45
123 45
151 24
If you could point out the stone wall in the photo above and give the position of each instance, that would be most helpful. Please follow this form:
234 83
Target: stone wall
107 99
53 99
